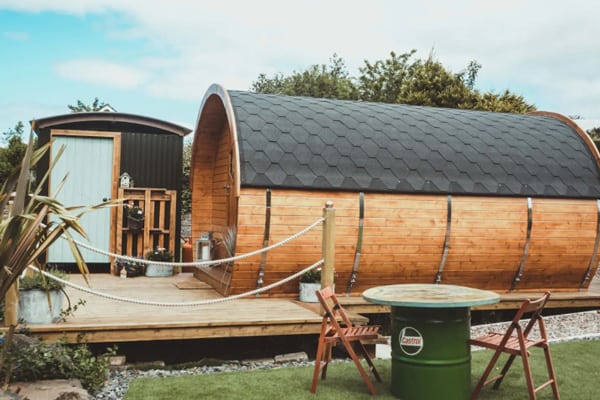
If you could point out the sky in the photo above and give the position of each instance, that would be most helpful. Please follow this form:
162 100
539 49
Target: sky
158 58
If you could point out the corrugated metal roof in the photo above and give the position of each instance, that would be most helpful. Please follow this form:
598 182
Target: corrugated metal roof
111 117
299 142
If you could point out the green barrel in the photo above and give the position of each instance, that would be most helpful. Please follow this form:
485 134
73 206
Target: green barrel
431 358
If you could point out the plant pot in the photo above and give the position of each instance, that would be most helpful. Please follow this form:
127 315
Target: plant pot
135 224
153 270
34 308
131 269
307 292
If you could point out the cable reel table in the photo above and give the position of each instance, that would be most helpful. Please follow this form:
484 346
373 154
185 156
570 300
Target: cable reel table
431 324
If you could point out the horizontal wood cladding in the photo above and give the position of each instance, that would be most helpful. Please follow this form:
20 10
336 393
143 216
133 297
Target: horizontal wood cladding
562 243
404 236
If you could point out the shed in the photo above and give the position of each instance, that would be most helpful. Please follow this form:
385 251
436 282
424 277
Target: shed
496 201
100 147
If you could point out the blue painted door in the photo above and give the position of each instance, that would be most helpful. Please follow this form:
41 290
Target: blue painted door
88 164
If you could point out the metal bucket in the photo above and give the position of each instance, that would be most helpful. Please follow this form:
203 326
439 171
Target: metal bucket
35 309
431 358
157 270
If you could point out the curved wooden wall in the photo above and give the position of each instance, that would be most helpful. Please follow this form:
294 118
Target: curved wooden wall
404 237
213 173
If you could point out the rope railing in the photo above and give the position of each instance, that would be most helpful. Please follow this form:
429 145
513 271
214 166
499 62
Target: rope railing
181 304
208 263
190 264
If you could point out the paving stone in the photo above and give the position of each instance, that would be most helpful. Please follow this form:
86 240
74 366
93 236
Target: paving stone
291 357
57 389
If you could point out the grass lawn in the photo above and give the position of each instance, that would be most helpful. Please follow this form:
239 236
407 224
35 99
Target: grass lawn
576 364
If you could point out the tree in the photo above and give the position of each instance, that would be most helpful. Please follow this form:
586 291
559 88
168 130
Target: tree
12 154
398 79
594 134
186 193
382 81
82 107
325 81
18 130
506 102
430 84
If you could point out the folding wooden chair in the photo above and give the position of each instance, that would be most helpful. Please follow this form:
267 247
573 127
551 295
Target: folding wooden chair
515 342
332 333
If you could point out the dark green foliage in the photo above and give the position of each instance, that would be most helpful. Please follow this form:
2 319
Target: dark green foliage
82 107
397 79
39 281
594 133
58 361
159 254
12 154
312 276
383 80
505 102
325 81
429 84
186 194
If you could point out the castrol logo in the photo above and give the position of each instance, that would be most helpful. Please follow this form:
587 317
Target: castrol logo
411 341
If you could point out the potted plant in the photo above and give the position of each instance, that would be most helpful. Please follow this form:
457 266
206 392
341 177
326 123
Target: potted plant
159 254
135 218
132 268
310 282
41 298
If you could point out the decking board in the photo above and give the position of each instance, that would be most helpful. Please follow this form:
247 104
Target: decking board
104 320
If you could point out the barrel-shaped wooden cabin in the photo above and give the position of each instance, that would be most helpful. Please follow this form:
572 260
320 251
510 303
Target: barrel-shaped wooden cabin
491 200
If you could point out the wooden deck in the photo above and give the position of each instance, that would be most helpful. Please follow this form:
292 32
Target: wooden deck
104 320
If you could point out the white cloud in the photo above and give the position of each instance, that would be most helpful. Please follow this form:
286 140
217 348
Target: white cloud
101 73
545 47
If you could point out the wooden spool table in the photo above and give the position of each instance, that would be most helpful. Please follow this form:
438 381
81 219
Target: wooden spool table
431 323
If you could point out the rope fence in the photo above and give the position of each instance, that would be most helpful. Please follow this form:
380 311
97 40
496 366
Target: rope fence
190 264
182 304
209 263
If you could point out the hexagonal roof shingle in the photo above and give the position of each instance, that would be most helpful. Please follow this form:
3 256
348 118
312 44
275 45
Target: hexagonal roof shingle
309 143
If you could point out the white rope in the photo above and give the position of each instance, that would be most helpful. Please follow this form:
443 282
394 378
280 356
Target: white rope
169 304
202 263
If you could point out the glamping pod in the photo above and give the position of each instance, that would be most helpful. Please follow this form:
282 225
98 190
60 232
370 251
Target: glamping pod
496 201
110 155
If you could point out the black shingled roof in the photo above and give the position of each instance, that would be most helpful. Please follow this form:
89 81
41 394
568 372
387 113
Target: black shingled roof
302 142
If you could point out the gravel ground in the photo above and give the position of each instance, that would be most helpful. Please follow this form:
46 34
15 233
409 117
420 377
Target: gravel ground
583 325
560 328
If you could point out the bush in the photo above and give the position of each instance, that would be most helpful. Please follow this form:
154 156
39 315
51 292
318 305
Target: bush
60 360
312 276
159 254
39 281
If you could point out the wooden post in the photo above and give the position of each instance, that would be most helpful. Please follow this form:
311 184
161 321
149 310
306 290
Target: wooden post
11 297
328 270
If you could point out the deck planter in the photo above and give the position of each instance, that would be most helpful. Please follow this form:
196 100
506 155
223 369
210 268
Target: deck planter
34 308
155 270
307 292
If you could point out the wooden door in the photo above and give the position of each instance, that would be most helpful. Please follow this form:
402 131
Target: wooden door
88 163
